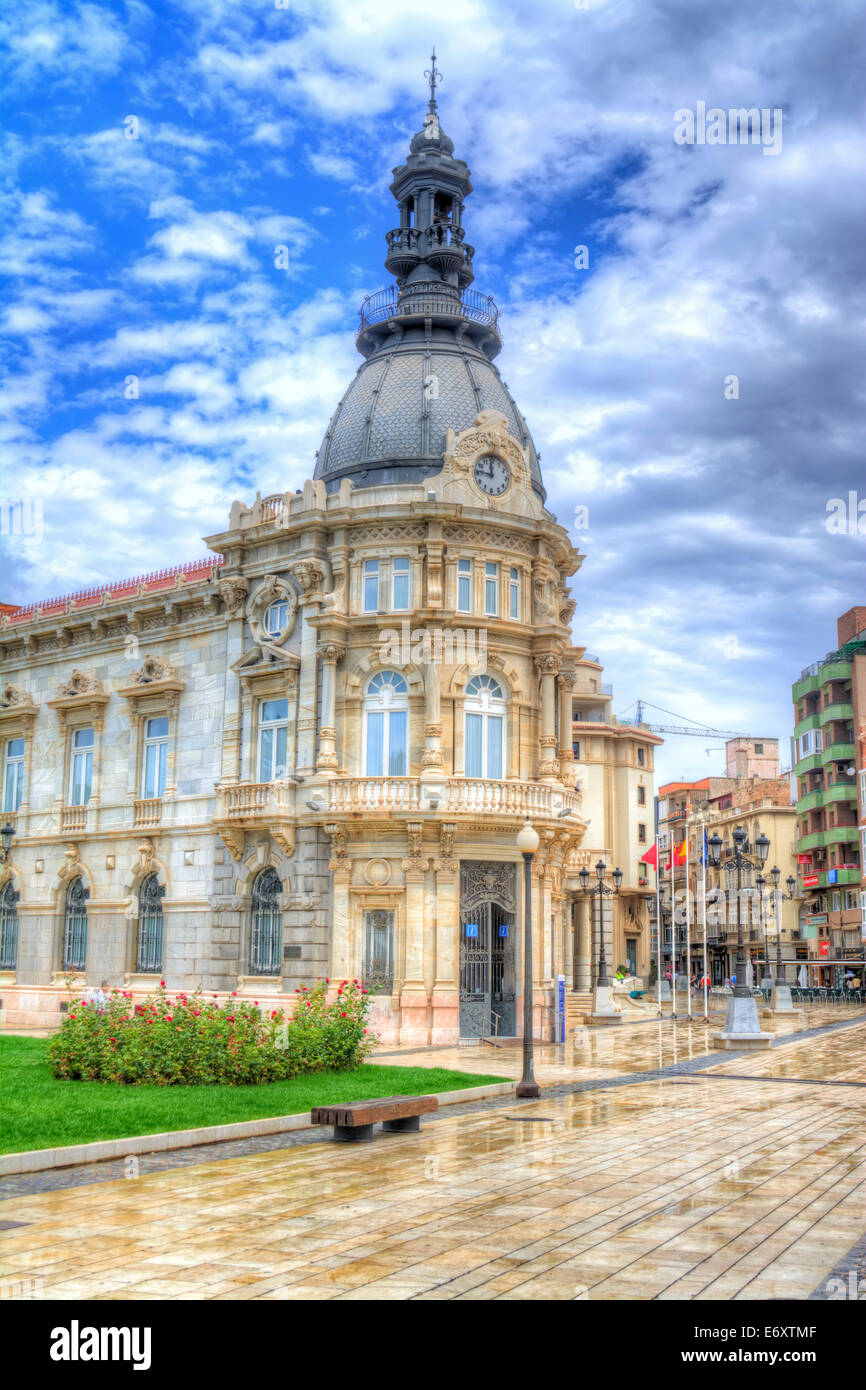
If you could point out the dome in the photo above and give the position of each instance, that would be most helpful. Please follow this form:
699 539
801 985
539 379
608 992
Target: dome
432 137
391 424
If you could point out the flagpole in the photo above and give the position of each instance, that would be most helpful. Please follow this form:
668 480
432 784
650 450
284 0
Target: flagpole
673 935
704 913
688 931
658 929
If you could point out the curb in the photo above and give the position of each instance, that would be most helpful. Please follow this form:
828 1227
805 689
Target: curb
37 1160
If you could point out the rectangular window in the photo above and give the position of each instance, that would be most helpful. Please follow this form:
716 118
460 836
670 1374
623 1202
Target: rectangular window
836 902
273 737
575 748
494 746
759 747
474 745
371 586
464 586
379 952
641 834
13 774
400 582
387 743
491 589
82 767
514 593
641 796
641 757
155 757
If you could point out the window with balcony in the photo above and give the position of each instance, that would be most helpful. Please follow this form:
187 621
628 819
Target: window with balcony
464 586
514 593
386 726
400 583
155 758
148 953
273 739
266 934
484 713
491 590
13 774
371 586
75 926
81 770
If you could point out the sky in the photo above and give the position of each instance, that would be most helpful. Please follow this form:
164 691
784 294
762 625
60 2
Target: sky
693 379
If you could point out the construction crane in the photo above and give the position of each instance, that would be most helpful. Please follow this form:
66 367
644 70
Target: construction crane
696 730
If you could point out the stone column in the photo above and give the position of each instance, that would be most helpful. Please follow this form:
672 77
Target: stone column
330 653
309 574
446 983
547 666
341 930
566 682
432 755
583 966
413 996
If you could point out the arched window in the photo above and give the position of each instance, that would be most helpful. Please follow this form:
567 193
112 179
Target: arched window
266 937
485 727
75 926
148 956
8 927
386 726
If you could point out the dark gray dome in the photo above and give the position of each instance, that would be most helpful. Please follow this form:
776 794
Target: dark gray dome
390 425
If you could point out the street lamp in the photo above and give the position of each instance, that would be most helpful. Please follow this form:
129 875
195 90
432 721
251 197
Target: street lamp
742 1030
781 997
6 836
603 1006
527 843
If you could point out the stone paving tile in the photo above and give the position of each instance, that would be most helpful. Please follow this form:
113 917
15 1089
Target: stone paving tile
724 1188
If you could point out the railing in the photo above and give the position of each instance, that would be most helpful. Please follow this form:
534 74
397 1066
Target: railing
72 819
253 800
147 811
388 303
375 794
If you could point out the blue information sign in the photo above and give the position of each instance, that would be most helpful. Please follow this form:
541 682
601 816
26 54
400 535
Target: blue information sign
503 929
471 928
560 1001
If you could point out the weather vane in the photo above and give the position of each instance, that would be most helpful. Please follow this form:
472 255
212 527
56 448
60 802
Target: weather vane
434 75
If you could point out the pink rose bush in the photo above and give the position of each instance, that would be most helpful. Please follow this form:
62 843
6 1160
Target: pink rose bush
191 1041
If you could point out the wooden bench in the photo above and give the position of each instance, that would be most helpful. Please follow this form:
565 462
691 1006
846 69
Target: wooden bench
354 1122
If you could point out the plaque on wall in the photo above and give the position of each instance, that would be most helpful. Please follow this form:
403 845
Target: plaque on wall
291 953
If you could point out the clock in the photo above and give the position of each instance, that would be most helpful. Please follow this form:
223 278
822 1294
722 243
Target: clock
492 475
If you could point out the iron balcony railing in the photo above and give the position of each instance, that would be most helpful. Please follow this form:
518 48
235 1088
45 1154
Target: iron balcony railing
388 303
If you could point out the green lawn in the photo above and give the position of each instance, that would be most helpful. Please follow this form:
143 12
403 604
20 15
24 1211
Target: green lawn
40 1112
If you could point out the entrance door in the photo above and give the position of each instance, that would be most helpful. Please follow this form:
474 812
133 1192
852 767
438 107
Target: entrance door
487 1003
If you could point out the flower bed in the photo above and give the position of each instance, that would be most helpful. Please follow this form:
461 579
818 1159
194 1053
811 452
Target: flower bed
191 1040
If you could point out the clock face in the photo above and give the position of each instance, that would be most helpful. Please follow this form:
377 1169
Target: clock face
492 475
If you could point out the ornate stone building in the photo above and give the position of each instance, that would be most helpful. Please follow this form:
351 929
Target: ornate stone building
310 754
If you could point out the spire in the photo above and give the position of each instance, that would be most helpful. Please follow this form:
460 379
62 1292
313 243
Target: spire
433 73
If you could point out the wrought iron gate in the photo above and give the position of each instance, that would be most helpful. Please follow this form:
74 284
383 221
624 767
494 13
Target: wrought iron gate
487 991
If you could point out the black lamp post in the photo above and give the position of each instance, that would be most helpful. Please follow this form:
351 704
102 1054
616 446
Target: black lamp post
527 843
6 836
788 897
601 891
739 861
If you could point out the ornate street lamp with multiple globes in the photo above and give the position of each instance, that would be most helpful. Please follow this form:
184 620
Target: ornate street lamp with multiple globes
602 1004
741 1015
781 997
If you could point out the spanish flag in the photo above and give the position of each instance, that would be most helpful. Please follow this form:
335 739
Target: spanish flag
651 857
680 853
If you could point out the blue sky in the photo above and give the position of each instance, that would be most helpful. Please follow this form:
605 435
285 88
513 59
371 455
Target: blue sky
710 576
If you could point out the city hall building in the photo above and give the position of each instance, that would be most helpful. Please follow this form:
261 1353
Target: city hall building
310 754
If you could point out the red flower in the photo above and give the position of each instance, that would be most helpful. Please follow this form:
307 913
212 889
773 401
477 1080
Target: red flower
169 1017
342 1015
162 984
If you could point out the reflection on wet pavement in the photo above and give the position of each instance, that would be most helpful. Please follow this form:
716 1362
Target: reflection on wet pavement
697 1187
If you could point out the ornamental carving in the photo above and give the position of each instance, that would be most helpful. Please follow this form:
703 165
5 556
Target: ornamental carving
548 663
152 669
481 881
13 695
566 612
233 591
567 678
309 575
79 683
271 590
331 652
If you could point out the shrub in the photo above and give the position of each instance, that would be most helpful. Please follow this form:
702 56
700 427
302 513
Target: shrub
193 1041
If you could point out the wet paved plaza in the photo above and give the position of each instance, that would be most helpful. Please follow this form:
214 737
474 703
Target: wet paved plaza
726 1177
